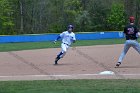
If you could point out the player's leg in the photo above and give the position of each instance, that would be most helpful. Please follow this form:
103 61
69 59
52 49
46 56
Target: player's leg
62 53
136 46
64 49
125 50
58 57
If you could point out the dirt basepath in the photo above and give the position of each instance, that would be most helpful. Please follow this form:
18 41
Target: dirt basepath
79 63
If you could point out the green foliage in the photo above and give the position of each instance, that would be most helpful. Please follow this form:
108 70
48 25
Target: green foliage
42 16
76 14
56 28
116 18
83 21
6 19
72 8
98 10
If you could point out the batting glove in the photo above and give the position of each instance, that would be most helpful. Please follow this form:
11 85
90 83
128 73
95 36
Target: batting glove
54 41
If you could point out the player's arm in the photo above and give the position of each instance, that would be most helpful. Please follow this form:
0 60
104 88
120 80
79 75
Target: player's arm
125 31
56 39
138 33
60 36
73 39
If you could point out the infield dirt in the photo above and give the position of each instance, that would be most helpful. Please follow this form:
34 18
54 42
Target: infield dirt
79 63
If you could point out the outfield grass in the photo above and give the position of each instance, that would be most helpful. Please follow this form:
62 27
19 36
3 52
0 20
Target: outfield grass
71 86
41 45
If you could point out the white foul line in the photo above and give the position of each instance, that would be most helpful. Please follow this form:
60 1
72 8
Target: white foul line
69 75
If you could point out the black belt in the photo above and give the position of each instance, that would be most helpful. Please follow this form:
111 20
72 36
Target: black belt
66 44
131 39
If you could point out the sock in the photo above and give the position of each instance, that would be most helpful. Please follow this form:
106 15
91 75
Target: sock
59 55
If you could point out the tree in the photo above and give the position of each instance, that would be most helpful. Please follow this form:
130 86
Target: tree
138 13
6 17
116 18
50 16
130 7
98 10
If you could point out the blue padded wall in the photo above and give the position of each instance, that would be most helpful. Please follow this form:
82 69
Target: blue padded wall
51 37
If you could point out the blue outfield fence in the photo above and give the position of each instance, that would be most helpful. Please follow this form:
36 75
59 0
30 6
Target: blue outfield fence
51 37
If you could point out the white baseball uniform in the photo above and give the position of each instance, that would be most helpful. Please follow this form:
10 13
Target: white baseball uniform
68 37
67 40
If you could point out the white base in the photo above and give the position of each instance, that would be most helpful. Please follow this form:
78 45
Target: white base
106 73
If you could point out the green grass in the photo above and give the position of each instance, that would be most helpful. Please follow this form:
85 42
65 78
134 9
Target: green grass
41 45
71 86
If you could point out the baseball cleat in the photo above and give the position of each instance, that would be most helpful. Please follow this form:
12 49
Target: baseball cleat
55 63
118 64
56 59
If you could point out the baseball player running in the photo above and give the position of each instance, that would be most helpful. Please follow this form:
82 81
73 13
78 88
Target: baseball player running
68 37
131 33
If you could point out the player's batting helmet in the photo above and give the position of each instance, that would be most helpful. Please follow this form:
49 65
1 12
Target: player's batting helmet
131 19
70 26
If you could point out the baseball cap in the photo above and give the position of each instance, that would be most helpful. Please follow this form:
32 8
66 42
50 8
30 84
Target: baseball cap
131 19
